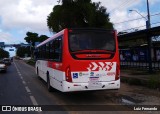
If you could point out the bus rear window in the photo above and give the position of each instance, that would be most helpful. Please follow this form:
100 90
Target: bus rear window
91 40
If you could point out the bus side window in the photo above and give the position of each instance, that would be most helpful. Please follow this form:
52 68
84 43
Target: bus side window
47 51
58 49
51 50
44 51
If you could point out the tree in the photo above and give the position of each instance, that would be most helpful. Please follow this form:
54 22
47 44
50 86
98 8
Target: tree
42 38
78 13
22 51
31 38
3 54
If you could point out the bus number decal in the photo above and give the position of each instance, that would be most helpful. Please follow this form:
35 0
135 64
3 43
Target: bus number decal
101 66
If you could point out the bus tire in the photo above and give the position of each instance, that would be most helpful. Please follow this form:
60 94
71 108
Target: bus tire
48 83
38 74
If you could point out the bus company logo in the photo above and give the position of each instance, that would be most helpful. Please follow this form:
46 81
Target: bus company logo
75 75
92 55
99 75
111 74
100 66
92 74
80 74
85 74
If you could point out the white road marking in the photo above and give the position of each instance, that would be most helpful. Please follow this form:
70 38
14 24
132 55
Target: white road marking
24 82
27 89
21 77
33 100
16 66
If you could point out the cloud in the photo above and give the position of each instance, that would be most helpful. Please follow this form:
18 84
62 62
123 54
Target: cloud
153 2
26 14
119 13
113 5
7 37
31 15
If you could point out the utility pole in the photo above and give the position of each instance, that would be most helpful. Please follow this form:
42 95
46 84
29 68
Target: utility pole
148 12
149 39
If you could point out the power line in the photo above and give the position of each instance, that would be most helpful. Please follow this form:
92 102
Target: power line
136 19
134 28
155 23
139 27
129 20
155 14
123 5
119 6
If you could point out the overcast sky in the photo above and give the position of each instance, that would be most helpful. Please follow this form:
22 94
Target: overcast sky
19 16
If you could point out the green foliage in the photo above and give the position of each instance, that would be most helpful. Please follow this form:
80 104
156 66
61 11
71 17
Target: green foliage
33 37
21 51
78 13
154 81
31 62
42 38
3 54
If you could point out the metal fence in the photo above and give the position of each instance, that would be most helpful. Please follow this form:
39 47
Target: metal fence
140 65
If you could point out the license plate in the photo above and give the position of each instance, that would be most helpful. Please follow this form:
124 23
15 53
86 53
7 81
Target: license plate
94 82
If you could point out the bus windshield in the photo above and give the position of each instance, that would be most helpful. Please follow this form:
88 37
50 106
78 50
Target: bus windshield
92 40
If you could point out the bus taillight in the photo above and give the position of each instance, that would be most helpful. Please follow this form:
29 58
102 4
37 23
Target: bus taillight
117 72
68 74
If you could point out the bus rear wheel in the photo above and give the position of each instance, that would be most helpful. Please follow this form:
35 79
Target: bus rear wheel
48 83
38 74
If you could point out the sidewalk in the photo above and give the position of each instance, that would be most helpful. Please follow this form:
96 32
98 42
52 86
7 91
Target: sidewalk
142 78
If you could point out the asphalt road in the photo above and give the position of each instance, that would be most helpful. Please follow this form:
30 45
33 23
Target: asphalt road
21 86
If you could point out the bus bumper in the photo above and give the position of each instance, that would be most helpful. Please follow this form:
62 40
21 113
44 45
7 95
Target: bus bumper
68 87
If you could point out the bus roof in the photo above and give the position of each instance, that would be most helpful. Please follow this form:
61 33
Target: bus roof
51 38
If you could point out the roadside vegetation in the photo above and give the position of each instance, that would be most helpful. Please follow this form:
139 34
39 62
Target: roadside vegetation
3 54
31 62
141 77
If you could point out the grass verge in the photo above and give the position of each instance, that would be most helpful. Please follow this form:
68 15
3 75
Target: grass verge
142 78
31 62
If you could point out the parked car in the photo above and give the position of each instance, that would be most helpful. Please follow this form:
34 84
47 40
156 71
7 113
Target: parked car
7 61
3 66
11 59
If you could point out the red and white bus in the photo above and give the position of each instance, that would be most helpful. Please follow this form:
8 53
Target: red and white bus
80 60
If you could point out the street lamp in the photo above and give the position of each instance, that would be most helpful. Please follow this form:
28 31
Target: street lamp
139 13
148 26
147 22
